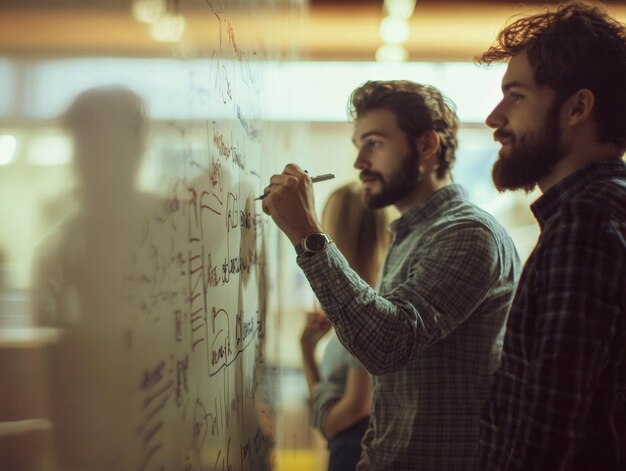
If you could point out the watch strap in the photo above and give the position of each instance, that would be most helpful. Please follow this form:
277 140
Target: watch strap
299 248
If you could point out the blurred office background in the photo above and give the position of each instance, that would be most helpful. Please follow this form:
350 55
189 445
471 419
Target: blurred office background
49 53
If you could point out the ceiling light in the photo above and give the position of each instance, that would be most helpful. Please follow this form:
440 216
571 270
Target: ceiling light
168 29
391 53
148 11
394 31
399 9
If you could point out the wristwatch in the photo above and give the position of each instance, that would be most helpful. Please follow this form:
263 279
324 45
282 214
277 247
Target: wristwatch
313 243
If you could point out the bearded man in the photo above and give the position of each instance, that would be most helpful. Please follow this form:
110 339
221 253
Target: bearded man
559 400
429 336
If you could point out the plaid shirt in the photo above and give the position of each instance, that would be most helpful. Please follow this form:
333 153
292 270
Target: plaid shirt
559 401
430 338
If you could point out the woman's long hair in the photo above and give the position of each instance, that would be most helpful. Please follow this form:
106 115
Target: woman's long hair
360 233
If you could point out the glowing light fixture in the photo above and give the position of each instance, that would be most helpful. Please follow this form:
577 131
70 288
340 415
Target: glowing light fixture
399 9
391 53
8 144
169 29
149 11
393 30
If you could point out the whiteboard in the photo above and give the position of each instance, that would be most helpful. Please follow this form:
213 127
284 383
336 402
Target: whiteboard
161 289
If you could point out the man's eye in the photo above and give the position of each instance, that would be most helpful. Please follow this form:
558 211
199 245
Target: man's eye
516 96
374 143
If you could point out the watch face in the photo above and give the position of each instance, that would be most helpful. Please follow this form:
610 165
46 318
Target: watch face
316 242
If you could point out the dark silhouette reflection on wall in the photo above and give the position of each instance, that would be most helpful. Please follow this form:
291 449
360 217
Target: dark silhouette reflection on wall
79 283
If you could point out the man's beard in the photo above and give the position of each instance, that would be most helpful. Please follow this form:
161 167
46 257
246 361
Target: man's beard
397 186
530 159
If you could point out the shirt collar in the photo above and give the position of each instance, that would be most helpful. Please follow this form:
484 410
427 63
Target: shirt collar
427 208
548 204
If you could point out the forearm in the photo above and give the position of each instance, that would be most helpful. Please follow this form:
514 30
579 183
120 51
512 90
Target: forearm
309 367
371 327
340 416
353 405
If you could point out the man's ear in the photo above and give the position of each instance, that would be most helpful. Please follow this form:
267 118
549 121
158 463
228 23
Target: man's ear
579 106
427 144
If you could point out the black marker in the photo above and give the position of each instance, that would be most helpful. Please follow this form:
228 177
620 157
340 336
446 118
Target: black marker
319 178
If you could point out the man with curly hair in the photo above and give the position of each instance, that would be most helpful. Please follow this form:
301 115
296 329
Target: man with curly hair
429 336
559 400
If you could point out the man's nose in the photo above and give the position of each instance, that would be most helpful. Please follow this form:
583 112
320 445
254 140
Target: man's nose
497 118
361 162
